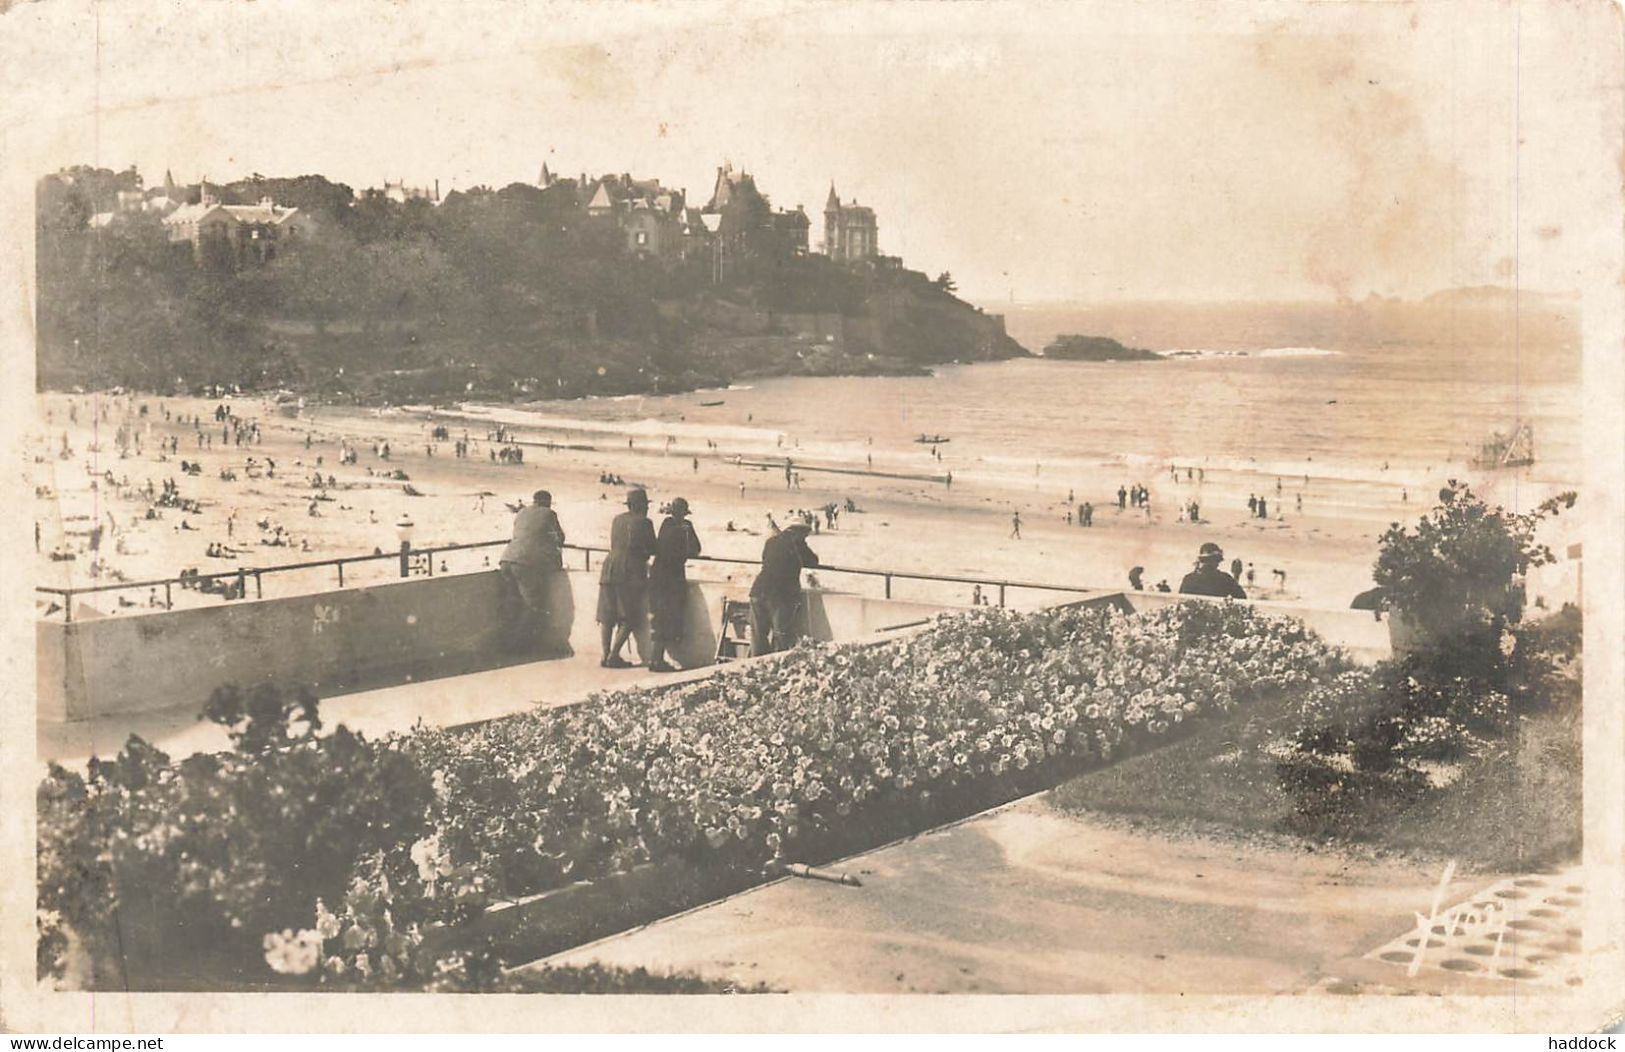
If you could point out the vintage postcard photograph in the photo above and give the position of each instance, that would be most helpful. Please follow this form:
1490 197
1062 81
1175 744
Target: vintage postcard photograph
813 516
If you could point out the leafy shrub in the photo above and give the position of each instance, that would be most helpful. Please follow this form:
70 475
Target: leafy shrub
1365 739
1455 577
1545 659
144 859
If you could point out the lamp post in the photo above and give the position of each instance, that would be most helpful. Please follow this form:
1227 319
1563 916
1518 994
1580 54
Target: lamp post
403 530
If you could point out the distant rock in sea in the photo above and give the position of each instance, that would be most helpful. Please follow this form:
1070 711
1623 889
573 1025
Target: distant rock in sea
1096 349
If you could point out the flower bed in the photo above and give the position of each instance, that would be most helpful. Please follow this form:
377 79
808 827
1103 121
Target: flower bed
796 758
823 751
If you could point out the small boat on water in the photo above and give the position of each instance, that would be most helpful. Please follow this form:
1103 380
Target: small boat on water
1516 450
932 440
707 405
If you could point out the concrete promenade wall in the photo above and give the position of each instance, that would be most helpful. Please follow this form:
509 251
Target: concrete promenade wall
1365 637
331 642
362 638
426 628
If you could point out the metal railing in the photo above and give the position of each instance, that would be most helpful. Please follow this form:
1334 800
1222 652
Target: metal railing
411 557
242 574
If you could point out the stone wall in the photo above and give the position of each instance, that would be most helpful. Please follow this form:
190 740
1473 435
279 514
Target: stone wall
331 642
361 638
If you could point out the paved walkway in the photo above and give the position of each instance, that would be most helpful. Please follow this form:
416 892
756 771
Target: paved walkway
1028 900
437 703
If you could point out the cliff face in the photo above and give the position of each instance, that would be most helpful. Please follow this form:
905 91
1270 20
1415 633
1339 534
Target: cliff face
918 323
902 325
902 329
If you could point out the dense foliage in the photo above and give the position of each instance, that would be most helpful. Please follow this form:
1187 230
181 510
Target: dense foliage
141 856
1456 576
497 293
343 858
1467 665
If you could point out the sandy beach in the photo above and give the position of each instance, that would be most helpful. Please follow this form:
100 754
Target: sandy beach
909 518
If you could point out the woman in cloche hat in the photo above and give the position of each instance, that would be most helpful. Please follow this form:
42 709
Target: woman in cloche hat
668 584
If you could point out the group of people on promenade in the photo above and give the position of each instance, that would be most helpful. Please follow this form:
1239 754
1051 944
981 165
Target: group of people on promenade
643 580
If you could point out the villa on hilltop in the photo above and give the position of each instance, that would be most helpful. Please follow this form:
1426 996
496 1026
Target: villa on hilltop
399 192
132 199
851 234
735 228
746 224
654 220
239 233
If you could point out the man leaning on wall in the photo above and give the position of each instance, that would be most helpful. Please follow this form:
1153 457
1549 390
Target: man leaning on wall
776 597
528 562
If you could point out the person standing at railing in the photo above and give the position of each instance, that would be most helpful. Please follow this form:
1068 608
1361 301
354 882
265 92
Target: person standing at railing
776 597
668 582
530 559
623 583
1208 579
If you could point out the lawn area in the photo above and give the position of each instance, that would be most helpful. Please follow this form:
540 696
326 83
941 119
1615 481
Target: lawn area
1517 806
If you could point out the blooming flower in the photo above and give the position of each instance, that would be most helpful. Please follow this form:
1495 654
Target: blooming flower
293 954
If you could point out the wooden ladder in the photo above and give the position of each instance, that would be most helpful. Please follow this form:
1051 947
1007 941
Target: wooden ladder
733 638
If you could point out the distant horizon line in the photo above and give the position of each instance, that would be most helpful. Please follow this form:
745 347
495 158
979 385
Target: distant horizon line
996 304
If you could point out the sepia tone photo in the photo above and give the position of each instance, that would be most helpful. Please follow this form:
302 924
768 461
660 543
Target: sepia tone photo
792 501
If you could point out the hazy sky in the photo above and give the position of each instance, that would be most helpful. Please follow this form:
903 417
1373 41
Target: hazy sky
1086 151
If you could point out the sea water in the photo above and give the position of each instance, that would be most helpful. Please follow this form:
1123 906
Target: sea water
1328 413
